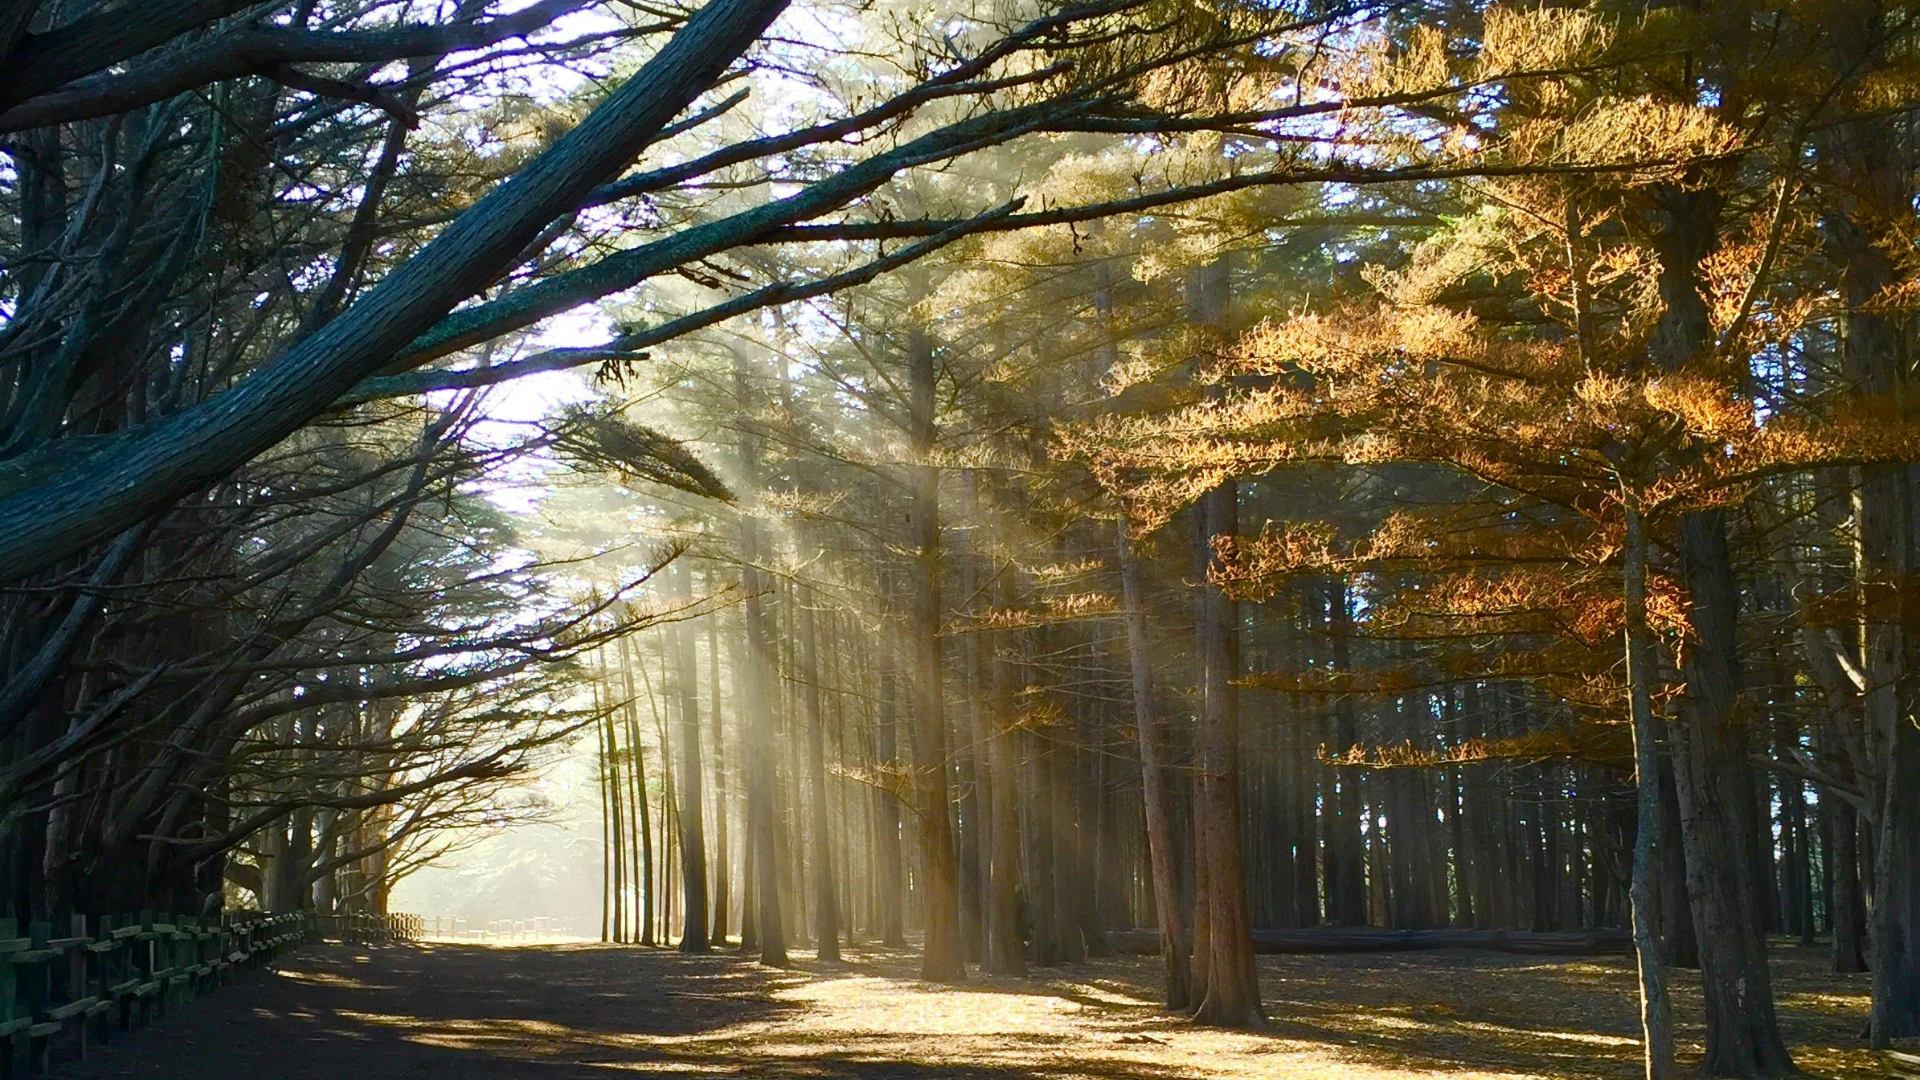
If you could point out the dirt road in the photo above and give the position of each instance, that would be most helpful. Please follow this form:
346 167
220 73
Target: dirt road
467 1012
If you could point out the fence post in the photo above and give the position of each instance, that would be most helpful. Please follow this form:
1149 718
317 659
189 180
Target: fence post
151 961
13 1024
78 984
120 976
39 991
111 950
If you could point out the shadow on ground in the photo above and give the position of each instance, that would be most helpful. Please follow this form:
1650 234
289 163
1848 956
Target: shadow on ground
550 1012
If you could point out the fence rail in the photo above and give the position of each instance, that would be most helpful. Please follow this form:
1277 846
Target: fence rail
110 974
364 929
537 928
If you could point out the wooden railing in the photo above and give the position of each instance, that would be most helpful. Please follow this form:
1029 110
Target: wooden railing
462 928
367 929
110 974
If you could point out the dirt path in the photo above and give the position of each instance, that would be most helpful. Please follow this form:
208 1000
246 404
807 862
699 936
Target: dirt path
466 1012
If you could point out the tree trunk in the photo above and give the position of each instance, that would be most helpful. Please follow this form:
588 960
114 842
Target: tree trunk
1231 996
1345 869
1068 884
941 958
1896 890
693 843
889 887
609 844
1005 954
1154 767
637 795
763 820
1656 1012
1711 772
1679 944
722 855
1848 908
1873 190
826 906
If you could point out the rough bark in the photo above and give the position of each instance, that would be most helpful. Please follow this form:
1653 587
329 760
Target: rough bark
941 958
1711 770
1154 770
1656 1011
693 843
1231 997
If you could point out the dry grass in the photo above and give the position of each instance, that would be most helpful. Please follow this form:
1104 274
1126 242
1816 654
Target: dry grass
446 1010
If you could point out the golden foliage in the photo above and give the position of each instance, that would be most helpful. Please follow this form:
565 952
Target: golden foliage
1521 38
1051 610
1597 742
1663 137
1381 67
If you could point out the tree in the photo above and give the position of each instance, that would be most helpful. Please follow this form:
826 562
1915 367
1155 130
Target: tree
1655 288
693 847
57 503
1225 978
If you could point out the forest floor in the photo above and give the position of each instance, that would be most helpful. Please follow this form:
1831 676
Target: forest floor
466 1012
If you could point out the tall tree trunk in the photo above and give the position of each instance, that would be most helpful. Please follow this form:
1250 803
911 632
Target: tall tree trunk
1872 192
1232 993
1304 770
1711 772
1346 870
637 792
1068 885
722 855
975 796
1895 925
791 827
608 843
889 886
1848 907
990 711
763 813
1154 770
1679 945
826 906
941 957
1656 1012
840 679
1231 996
693 842
1005 951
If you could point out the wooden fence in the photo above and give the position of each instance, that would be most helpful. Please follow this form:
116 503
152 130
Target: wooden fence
538 928
109 974
367 929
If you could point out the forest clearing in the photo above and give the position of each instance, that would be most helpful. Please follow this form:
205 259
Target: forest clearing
1111 538
517 1013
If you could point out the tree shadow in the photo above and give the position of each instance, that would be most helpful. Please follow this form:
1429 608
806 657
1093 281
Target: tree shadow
463 1011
